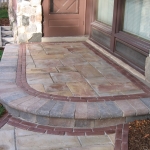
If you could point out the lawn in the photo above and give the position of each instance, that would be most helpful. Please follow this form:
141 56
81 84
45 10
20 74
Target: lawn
3 13
1 53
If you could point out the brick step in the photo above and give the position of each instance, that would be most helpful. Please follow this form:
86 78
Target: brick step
6 33
6 36
7 40
6 28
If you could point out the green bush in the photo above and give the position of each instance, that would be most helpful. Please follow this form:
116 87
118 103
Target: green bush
1 53
2 110
3 13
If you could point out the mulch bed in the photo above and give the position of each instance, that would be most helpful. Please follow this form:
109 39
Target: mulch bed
139 135
4 22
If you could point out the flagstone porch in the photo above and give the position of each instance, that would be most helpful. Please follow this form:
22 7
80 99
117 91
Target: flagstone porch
69 84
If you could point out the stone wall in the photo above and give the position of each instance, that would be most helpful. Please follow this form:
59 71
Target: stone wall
26 20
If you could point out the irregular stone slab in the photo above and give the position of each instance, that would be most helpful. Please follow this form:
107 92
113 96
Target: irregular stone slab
81 89
66 77
7 69
46 142
62 93
7 140
70 60
77 50
90 57
41 70
56 87
106 89
88 71
94 140
47 63
43 57
38 87
56 50
39 78
95 147
66 69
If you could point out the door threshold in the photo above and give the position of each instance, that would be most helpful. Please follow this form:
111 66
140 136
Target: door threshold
65 39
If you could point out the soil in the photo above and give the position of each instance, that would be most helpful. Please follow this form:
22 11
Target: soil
4 22
139 135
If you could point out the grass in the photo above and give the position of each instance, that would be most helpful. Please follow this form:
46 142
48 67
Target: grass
1 53
2 110
3 13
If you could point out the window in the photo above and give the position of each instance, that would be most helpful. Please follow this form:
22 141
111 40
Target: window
137 18
105 11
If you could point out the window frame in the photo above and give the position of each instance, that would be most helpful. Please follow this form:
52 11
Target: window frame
117 33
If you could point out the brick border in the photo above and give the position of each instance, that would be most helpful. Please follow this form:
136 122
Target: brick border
22 82
121 131
4 119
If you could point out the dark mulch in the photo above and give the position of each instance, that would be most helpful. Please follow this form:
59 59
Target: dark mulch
139 135
4 22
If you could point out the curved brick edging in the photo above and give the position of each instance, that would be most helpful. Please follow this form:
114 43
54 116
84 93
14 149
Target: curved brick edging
120 131
22 101
21 81
4 119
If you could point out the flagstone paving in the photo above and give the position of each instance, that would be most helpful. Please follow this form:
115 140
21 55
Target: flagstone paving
13 138
72 69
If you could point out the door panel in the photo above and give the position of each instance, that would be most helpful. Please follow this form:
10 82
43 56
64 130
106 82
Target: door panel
64 17
64 6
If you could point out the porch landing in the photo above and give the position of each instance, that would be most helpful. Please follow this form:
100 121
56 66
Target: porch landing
69 85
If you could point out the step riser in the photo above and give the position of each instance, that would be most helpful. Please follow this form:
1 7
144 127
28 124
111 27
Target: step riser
6 35
73 123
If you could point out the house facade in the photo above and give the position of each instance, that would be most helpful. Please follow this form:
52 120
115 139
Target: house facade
122 27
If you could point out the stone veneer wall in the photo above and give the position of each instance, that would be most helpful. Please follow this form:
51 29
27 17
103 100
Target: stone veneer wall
26 20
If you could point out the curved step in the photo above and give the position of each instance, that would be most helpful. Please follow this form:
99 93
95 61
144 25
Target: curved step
22 101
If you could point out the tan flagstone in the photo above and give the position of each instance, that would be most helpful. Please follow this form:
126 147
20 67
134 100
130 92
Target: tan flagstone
38 87
66 69
30 65
56 50
90 57
48 63
43 57
67 77
112 138
56 87
61 93
67 61
7 140
46 142
95 147
88 71
41 70
94 140
81 89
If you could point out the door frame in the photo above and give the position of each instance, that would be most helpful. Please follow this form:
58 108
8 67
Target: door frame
88 15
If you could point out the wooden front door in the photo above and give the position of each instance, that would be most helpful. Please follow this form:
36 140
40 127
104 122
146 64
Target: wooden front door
63 17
